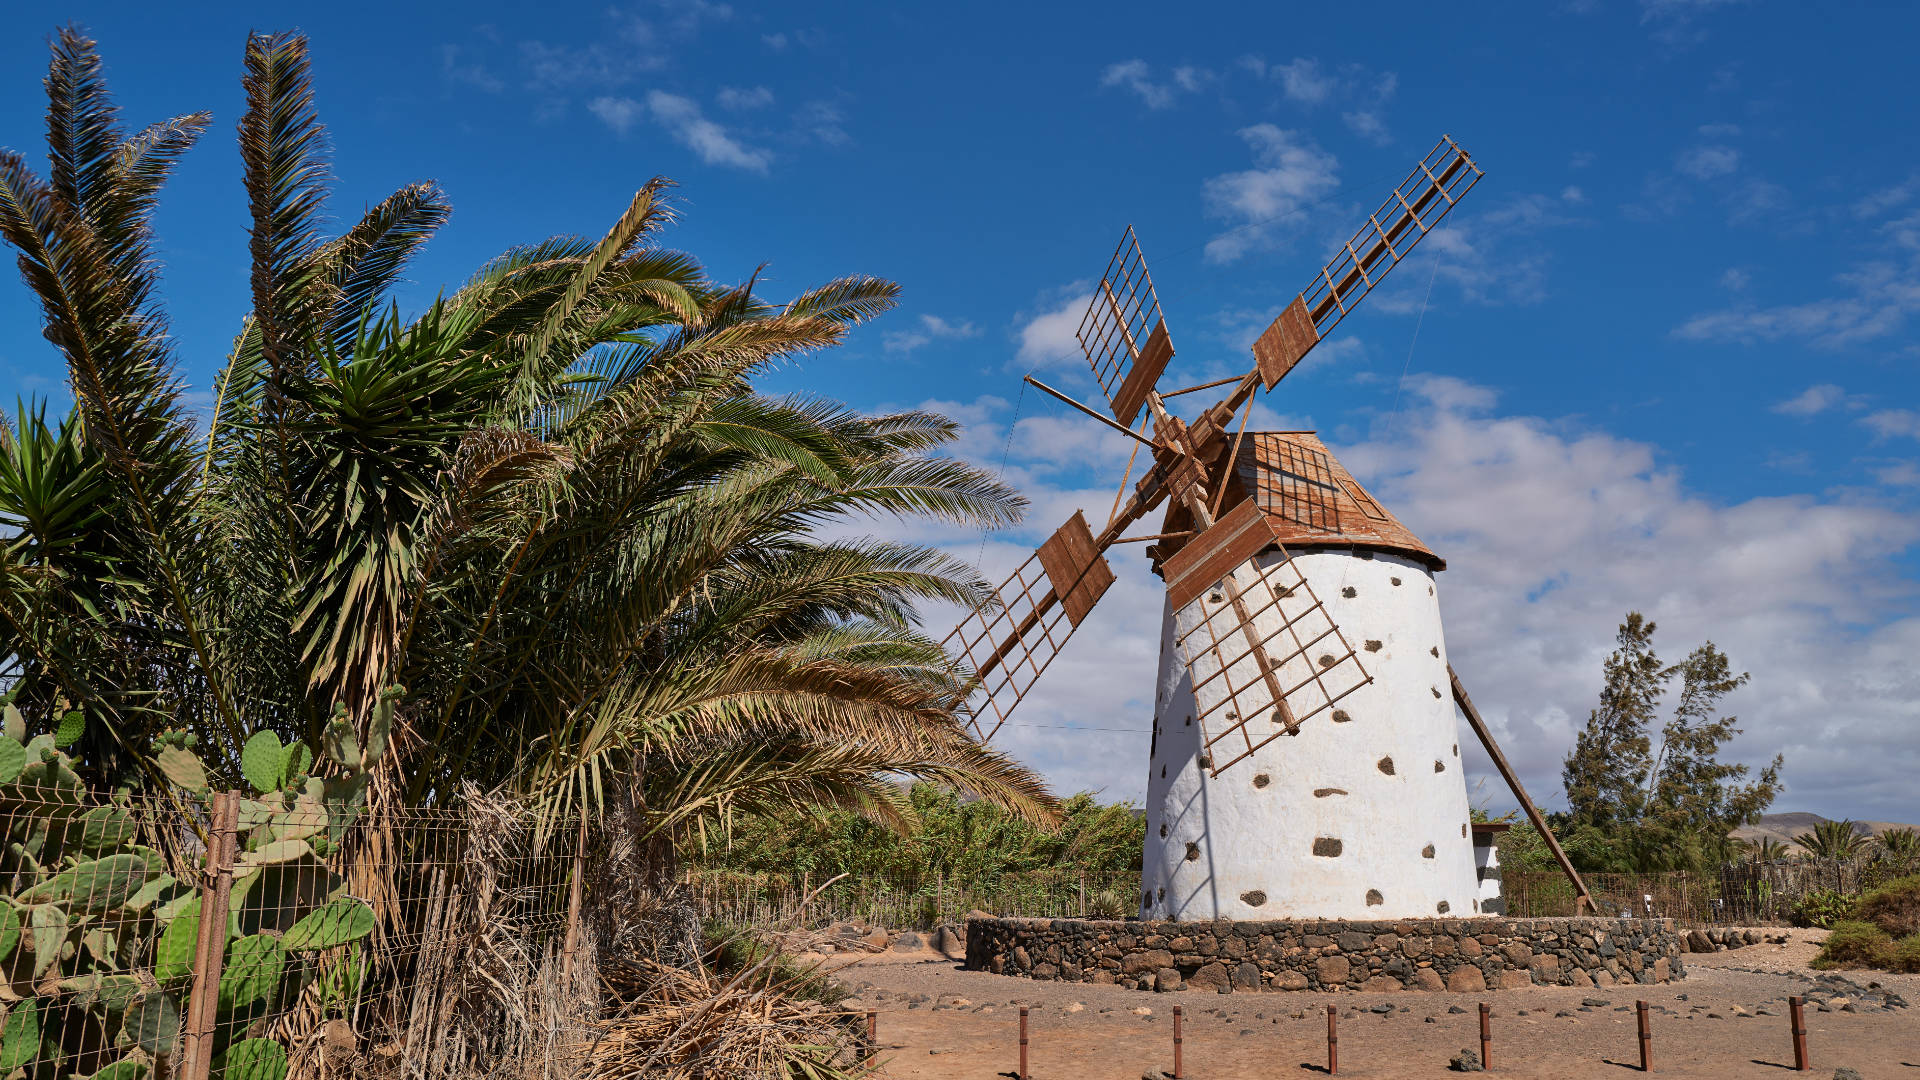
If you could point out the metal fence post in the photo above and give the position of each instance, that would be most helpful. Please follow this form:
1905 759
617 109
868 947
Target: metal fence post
210 946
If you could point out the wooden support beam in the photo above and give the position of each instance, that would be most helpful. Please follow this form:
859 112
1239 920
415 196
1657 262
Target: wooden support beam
1583 900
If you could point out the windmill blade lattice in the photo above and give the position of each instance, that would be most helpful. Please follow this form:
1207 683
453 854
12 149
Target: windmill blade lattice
1123 334
1009 641
1262 650
1439 181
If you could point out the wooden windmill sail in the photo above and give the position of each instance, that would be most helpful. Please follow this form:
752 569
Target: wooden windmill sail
1264 654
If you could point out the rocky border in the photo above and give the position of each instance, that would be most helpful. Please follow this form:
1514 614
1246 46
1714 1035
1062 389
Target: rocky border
1459 955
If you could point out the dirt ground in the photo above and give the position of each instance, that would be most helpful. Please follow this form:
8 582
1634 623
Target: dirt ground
1728 1018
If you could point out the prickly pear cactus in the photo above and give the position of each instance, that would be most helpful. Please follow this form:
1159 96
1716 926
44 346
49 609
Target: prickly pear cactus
99 928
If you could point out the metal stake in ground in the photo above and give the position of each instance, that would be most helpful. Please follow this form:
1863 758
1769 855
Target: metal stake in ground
1486 1039
873 1041
1177 1075
1023 1042
1333 1042
1795 1005
1646 1037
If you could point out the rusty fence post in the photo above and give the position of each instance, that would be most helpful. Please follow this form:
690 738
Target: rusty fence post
1796 1008
1178 1074
210 946
1023 1042
1333 1042
1486 1039
1646 1036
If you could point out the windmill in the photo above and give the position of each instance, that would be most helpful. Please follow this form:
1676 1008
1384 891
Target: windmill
1299 694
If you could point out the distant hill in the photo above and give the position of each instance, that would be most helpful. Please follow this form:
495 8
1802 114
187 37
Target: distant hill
1784 827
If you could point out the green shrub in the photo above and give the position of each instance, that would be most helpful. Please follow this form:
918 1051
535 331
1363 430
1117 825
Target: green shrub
1893 907
1906 955
1823 908
1856 944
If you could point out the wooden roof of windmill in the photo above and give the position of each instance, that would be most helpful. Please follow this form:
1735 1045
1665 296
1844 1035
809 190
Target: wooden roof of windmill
1310 499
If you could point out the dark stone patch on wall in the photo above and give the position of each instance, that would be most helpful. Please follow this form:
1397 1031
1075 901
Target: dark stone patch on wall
1328 846
1385 765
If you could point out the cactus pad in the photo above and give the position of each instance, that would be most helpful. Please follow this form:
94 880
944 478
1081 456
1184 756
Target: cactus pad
338 923
263 761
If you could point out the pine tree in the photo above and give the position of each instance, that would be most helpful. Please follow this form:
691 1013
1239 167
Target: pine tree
1612 758
1691 792
1636 806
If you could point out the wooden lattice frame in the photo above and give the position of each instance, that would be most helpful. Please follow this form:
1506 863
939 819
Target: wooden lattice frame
1123 334
1256 640
1414 208
1294 482
1009 641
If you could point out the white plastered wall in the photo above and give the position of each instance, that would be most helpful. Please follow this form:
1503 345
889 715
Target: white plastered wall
1241 846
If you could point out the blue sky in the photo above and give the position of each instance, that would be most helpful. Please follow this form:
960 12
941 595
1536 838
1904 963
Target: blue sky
1664 357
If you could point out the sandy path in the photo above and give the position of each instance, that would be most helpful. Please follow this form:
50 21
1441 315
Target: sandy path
1715 1023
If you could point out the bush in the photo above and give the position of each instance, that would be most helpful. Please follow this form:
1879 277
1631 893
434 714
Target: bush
1906 955
1893 907
1823 908
1856 944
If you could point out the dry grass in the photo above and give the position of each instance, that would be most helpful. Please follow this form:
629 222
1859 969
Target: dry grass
691 1024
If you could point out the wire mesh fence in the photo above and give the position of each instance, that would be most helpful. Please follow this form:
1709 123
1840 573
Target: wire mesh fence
264 937
1748 894
909 902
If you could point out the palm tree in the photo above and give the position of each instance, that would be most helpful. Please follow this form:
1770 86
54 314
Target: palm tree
1835 840
1901 848
550 506
1763 851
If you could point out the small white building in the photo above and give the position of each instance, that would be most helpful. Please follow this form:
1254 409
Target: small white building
1486 865
1362 813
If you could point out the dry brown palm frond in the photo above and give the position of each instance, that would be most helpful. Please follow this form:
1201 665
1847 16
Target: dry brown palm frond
690 1024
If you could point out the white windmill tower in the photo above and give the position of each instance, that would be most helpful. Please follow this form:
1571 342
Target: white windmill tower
1304 761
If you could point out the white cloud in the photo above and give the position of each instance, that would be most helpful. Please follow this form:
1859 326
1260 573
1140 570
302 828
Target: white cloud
458 65
1899 474
683 119
1367 124
1304 81
618 113
1815 400
1580 159
1291 173
1490 256
1893 423
1720 131
1707 162
1879 202
822 122
932 328
1734 279
1136 75
1572 195
1048 338
778 41
737 98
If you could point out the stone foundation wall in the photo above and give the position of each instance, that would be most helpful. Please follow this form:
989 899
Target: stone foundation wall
1461 955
